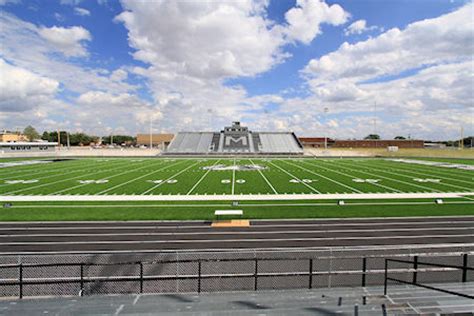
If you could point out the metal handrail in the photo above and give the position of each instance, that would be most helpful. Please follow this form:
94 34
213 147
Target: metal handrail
464 268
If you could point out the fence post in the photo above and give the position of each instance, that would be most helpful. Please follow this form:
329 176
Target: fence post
82 280
199 276
255 286
385 278
415 267
141 277
364 269
20 276
310 286
464 267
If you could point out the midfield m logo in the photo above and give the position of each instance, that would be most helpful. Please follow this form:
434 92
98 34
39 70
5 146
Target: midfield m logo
236 140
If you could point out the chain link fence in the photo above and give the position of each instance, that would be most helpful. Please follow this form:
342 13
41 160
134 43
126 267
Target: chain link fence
186 272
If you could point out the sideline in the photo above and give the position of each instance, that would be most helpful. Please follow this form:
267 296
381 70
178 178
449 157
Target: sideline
234 197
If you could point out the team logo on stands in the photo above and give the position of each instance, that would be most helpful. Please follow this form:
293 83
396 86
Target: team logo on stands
236 140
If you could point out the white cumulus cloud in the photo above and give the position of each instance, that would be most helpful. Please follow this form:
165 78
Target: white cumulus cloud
359 27
67 40
22 90
305 19
81 11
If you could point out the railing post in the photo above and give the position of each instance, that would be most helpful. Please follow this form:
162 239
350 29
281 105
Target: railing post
464 267
310 285
255 286
82 280
20 276
415 267
364 269
385 278
141 277
199 275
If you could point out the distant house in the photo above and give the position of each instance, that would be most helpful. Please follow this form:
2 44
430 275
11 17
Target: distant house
157 140
7 137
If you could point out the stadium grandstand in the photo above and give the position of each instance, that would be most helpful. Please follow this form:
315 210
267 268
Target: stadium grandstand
235 139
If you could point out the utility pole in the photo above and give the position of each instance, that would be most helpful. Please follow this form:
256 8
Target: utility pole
59 140
375 121
151 131
325 132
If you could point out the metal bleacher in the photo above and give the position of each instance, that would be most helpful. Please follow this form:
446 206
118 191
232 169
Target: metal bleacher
235 139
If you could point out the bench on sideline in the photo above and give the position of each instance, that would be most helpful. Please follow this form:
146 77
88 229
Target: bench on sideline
230 223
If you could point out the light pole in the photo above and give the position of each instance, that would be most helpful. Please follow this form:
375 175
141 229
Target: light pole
325 133
151 131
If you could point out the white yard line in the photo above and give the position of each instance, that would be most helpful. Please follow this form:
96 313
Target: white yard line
202 178
391 179
233 179
265 178
422 222
431 170
327 178
106 178
175 175
137 178
377 184
411 177
63 180
407 171
58 172
277 232
224 205
236 197
194 241
294 177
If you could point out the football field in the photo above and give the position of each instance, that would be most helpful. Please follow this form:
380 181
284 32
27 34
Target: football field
193 188
190 177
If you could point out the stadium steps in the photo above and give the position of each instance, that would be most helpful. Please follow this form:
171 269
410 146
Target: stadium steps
402 300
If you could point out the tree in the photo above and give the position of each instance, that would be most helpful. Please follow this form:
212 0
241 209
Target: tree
31 133
119 139
372 136
400 137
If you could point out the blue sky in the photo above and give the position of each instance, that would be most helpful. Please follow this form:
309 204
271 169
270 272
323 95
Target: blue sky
110 66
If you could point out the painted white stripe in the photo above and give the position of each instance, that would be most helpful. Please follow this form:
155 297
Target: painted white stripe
182 241
327 178
53 167
147 165
296 249
137 178
265 178
371 174
348 204
295 177
68 179
432 172
173 176
202 178
110 227
233 179
411 177
392 179
213 233
236 197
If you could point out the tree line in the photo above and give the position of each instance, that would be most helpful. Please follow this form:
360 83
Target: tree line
77 139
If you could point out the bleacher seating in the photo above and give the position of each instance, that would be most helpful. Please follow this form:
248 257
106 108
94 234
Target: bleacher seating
235 139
